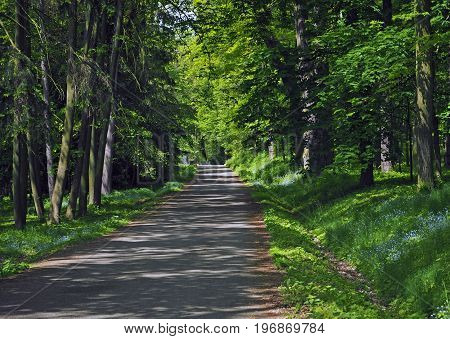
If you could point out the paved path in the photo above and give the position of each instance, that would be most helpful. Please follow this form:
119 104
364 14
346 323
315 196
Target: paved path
202 254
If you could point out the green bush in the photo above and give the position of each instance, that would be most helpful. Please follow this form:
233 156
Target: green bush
185 172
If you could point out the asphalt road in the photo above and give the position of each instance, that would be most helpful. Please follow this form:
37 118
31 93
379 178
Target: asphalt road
201 254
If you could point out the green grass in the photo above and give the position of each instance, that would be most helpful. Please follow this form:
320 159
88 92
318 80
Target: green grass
395 235
310 284
399 238
20 248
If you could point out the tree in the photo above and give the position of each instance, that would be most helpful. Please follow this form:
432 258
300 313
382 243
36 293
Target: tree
46 95
424 95
75 191
113 64
386 135
21 105
61 174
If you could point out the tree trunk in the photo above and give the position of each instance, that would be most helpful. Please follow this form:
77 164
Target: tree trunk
436 148
33 166
84 129
410 144
84 188
386 137
387 12
92 161
76 180
366 178
21 104
58 190
300 19
93 149
424 87
107 163
386 163
113 64
160 166
447 150
317 140
171 159
46 108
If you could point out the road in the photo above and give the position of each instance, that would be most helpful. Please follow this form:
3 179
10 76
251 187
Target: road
200 254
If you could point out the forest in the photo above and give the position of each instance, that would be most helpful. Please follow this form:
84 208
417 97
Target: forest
335 113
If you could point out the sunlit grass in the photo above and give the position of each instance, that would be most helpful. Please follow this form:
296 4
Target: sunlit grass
397 236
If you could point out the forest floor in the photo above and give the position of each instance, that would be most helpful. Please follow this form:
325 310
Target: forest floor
201 254
351 252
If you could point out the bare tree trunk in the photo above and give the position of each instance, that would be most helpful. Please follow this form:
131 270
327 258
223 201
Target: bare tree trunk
21 105
424 85
46 108
58 190
113 64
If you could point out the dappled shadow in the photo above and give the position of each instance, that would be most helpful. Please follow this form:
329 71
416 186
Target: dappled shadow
203 254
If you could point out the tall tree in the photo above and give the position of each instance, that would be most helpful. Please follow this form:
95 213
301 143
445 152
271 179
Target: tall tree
424 95
386 136
113 64
89 31
107 163
21 105
46 95
61 174
316 140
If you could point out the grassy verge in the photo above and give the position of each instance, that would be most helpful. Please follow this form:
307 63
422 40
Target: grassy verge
397 237
18 249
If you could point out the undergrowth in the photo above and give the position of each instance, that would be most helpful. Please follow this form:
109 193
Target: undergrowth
396 236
